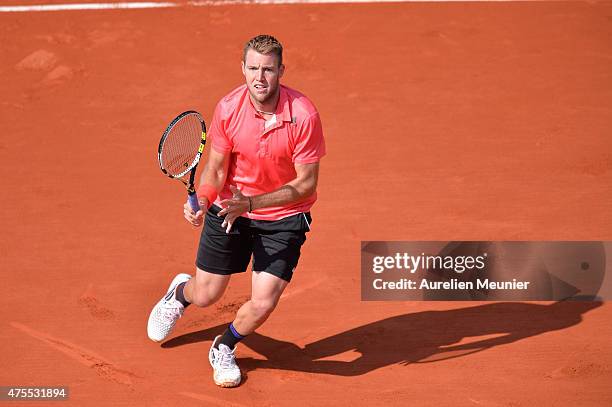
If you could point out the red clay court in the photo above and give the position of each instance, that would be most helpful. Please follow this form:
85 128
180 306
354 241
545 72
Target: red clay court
443 121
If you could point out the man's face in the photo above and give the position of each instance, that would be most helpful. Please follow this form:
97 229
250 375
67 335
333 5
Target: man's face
262 74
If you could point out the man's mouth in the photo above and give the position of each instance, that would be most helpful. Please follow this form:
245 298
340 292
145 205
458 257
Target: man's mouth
261 88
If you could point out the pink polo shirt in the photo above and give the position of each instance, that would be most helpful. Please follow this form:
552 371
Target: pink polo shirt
262 158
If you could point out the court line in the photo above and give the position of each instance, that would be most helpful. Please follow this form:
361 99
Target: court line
85 6
206 3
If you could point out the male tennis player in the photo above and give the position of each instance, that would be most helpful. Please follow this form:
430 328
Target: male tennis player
258 184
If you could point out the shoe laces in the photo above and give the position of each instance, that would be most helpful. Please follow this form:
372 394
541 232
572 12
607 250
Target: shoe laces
226 360
169 311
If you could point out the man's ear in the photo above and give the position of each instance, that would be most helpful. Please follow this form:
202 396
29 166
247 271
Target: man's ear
281 71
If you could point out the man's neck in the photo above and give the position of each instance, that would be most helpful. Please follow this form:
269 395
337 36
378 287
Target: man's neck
268 108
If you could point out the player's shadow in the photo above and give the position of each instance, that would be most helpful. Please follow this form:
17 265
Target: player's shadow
420 337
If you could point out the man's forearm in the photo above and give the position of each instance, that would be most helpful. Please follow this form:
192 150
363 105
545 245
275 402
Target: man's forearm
293 191
211 182
213 177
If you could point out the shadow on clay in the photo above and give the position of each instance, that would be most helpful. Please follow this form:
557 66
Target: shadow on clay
421 337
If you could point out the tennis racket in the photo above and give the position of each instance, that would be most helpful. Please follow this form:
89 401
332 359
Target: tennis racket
180 149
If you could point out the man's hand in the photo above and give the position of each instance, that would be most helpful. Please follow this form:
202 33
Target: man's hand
195 218
232 208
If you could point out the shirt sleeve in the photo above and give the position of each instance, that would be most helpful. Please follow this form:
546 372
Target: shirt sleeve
310 144
218 137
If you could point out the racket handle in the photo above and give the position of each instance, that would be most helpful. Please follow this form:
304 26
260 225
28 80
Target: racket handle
193 201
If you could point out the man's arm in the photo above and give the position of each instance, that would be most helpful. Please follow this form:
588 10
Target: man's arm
301 187
304 185
214 174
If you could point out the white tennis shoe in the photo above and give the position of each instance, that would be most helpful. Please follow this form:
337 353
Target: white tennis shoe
223 361
166 312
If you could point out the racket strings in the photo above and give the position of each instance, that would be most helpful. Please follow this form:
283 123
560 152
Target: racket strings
181 145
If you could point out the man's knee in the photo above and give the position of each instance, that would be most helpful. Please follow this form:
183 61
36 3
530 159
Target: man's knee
201 297
262 308
207 289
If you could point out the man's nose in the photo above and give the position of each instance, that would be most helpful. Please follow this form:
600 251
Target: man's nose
260 74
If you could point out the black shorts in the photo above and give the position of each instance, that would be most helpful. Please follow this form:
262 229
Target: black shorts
274 245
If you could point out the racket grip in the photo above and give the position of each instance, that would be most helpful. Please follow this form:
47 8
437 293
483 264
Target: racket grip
193 201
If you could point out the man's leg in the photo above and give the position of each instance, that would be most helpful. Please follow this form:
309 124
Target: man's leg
276 251
203 290
266 290
220 254
265 293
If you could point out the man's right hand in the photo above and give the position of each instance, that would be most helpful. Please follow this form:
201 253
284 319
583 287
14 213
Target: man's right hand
195 218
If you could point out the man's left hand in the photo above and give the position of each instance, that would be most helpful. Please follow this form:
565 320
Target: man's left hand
233 207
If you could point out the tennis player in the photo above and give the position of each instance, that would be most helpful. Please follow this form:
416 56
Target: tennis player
258 184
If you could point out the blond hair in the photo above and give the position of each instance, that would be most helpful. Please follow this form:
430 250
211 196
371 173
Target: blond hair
264 44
